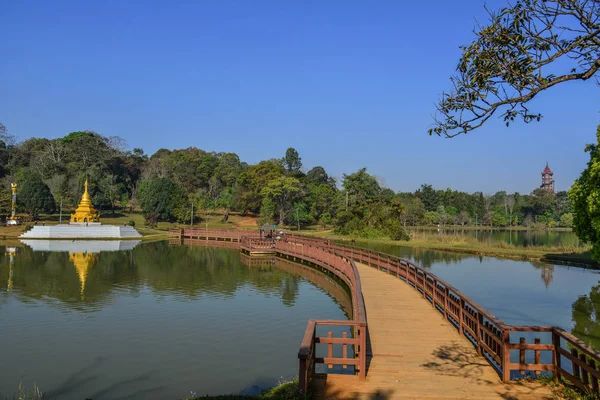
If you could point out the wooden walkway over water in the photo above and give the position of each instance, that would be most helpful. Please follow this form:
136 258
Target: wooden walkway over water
413 335
415 354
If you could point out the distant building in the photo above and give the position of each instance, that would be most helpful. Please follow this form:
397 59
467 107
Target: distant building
547 179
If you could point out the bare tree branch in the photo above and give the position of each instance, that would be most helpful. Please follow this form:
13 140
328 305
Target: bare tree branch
512 59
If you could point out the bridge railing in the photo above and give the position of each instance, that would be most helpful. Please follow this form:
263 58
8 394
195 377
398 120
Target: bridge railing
513 351
212 234
353 349
250 244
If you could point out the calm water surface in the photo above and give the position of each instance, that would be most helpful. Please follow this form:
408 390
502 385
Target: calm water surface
159 321
152 322
519 292
514 237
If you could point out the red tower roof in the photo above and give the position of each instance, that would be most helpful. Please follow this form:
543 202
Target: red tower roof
547 170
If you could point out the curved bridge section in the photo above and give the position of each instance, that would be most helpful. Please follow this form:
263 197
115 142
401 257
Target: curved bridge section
512 351
353 349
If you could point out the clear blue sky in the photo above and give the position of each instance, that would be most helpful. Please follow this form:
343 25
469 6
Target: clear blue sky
349 84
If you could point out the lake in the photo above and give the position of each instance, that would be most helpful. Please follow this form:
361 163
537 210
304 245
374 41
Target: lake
521 238
152 321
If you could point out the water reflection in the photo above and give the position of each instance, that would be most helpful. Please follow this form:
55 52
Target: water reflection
522 238
586 317
153 321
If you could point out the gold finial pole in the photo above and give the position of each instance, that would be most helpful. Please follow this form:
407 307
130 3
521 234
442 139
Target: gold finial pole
13 187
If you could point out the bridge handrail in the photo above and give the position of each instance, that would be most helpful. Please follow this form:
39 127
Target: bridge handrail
345 269
490 335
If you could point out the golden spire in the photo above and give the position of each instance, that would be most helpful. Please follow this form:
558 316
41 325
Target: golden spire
85 211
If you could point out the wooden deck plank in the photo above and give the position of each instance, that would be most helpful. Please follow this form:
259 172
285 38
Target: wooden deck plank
416 354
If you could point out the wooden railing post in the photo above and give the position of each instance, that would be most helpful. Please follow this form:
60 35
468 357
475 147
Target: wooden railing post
505 355
522 354
303 376
446 293
461 317
479 333
536 354
362 372
556 355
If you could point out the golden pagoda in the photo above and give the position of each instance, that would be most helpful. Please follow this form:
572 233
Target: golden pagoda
85 211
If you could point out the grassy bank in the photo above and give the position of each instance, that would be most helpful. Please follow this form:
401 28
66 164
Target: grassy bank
572 255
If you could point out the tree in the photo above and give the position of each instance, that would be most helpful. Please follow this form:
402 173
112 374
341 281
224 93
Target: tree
282 192
163 199
34 195
566 220
251 182
585 199
510 205
361 187
462 218
527 47
292 160
431 218
429 197
317 175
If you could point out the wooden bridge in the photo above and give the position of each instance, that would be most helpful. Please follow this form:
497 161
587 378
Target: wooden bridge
415 336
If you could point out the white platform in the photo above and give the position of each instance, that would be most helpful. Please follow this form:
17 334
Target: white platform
80 246
81 232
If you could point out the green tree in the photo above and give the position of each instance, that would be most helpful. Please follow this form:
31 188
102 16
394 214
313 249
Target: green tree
34 195
361 187
292 160
528 47
431 218
164 199
429 197
248 195
585 199
282 192
566 220
317 175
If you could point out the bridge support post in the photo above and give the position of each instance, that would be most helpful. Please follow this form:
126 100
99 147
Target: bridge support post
479 333
461 316
362 373
556 355
505 355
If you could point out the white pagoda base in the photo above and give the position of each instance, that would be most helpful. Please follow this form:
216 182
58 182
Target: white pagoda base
82 231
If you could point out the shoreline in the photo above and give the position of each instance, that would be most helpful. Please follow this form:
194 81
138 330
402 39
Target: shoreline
580 260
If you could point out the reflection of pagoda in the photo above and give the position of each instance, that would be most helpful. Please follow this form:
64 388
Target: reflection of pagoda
83 262
82 253
547 271
11 251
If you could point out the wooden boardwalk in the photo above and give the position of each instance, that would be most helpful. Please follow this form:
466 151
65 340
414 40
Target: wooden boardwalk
415 354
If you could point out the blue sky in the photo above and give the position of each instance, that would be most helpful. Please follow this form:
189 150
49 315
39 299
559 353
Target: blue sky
349 84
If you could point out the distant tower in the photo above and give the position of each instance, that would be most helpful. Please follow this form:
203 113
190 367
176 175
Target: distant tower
547 179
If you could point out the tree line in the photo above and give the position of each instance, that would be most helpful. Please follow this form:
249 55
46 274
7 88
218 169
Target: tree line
175 185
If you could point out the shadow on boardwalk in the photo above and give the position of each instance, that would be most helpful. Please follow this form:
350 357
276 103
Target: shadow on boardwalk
339 389
459 361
